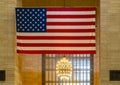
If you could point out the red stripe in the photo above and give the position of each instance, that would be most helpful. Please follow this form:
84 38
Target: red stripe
71 9
56 44
55 52
70 23
70 30
56 37
70 16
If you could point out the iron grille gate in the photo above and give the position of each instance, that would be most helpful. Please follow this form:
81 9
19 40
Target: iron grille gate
82 69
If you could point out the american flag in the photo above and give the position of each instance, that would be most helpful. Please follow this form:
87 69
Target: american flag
56 30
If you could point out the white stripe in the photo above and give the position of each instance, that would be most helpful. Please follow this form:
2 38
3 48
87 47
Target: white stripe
70 12
71 27
56 41
71 20
56 34
56 48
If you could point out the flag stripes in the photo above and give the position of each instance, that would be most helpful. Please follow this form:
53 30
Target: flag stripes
56 45
72 27
57 48
68 30
70 23
56 51
56 41
56 37
70 20
71 16
57 34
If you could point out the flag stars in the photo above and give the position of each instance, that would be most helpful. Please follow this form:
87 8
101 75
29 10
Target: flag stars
38 15
43 29
28 24
43 15
38 29
28 30
18 10
18 30
30 27
33 10
28 20
28 10
33 15
22 19
33 25
43 20
31 20
43 10
18 24
23 10
28 15
43 24
25 27
38 24
33 29
38 10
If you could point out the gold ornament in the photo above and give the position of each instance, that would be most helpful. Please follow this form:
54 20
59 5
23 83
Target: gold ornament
64 69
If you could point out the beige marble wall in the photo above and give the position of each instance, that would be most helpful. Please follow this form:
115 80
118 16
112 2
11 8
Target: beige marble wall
7 40
110 39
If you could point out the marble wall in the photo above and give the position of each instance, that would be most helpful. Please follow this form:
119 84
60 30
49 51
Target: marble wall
109 38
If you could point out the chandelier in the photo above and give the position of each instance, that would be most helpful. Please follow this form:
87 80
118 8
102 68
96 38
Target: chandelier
64 69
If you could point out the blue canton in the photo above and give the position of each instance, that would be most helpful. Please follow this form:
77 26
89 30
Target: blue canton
31 19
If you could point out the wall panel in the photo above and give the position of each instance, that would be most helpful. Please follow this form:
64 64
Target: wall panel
81 3
43 3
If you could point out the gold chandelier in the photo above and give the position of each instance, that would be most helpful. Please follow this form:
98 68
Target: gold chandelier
64 69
